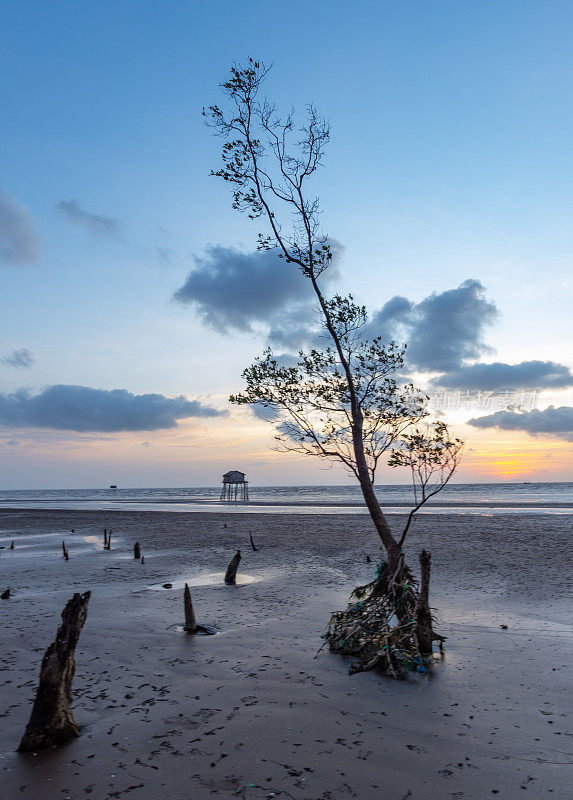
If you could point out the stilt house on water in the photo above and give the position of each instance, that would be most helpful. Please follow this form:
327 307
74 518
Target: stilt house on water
235 487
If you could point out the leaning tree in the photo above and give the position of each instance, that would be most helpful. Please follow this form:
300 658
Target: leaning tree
342 400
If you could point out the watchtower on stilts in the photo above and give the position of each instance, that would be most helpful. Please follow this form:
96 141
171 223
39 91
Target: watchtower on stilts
235 487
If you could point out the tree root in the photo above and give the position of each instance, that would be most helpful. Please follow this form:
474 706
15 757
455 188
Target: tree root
380 628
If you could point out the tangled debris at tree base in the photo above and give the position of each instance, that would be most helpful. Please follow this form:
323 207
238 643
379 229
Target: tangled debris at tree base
387 627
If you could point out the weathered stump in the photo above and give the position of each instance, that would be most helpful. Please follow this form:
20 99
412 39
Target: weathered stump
5 594
190 621
231 574
108 545
52 722
252 542
424 630
11 545
105 538
136 550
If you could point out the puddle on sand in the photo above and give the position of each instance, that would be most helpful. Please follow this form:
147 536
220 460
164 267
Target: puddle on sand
202 630
207 579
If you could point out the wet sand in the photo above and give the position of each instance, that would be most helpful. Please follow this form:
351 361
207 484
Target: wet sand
250 712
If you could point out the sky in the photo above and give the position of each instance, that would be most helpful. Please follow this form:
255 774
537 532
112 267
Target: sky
132 296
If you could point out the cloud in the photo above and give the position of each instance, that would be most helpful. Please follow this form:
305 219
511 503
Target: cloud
442 330
499 376
82 409
232 290
236 291
295 328
19 358
98 224
13 442
19 241
557 422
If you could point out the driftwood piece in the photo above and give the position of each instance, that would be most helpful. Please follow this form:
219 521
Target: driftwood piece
5 594
423 616
252 542
52 722
190 621
136 550
231 574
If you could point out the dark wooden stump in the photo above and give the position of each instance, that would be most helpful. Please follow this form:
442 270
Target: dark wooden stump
5 594
231 574
423 616
252 542
52 722
136 550
108 545
11 545
105 538
190 621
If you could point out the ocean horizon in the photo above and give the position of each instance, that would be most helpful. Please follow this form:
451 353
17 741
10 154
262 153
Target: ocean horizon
551 497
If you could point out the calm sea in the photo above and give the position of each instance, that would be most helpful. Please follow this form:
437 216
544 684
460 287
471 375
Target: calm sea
479 498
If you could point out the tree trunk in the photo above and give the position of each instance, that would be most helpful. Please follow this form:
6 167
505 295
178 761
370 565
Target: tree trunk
231 574
190 621
424 630
379 520
52 722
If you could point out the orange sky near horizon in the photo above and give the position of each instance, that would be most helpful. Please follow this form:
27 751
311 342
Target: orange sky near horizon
197 452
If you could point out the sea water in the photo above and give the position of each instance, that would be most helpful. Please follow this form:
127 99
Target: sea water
507 498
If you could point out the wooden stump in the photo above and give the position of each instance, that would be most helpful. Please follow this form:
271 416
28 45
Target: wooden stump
425 633
108 545
52 722
136 550
252 542
190 621
5 594
231 574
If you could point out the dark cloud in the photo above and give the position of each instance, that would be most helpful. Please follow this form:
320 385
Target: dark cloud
239 291
442 330
19 241
499 376
19 358
557 422
392 321
80 408
295 328
232 290
98 224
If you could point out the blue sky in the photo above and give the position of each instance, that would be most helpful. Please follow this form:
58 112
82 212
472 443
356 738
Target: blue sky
450 159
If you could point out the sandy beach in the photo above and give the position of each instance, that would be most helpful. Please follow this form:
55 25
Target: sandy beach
252 712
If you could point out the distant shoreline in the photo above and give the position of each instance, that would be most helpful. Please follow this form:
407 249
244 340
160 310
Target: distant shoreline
312 508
